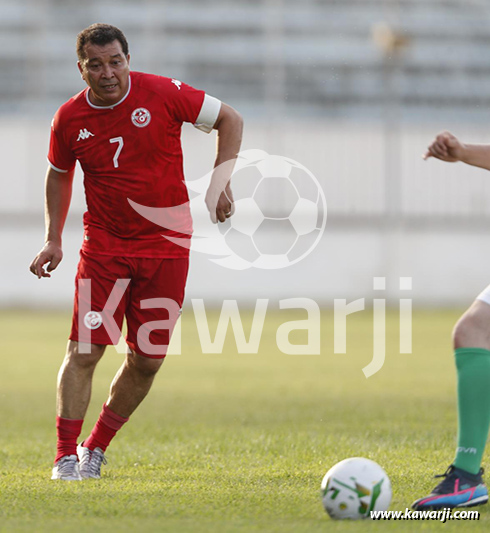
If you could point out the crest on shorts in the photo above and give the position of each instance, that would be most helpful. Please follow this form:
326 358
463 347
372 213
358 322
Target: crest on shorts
92 320
141 117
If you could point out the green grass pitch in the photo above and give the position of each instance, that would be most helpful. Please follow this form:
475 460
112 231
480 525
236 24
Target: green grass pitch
231 443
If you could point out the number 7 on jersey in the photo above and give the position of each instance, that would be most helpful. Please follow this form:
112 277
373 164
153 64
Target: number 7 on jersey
118 151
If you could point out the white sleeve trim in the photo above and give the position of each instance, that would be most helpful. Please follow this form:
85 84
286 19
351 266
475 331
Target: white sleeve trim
56 168
209 114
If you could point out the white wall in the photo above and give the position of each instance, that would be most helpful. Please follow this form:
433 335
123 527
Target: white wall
448 258
349 159
448 268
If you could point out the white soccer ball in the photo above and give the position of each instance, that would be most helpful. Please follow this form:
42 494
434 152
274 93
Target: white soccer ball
355 487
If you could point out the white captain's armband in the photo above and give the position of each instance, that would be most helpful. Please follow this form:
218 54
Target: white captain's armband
56 168
208 114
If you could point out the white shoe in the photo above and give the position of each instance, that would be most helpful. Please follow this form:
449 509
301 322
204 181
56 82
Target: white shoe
90 461
67 469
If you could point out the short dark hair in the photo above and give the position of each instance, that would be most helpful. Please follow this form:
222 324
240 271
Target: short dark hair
100 34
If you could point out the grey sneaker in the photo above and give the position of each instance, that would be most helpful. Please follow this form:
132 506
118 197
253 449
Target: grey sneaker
67 469
90 461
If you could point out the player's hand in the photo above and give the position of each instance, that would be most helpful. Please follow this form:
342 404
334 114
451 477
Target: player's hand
446 147
223 208
51 254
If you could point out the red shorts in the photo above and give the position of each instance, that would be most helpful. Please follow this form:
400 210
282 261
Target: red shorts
148 292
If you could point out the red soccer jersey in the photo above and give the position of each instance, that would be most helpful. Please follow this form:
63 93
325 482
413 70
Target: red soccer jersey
130 151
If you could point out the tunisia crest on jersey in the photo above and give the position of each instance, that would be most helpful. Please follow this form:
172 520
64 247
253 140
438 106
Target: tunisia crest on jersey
140 117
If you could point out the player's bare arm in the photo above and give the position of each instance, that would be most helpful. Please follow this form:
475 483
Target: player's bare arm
58 192
449 148
230 127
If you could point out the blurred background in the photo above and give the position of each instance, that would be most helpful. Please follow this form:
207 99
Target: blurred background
354 90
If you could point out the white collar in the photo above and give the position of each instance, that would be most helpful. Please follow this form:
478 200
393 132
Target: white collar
108 106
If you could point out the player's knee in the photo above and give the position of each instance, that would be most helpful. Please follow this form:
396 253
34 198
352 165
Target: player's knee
86 359
145 366
468 332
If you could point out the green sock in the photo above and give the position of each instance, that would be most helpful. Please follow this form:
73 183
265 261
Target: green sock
473 366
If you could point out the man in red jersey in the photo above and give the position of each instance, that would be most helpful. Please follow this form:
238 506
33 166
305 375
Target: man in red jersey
124 129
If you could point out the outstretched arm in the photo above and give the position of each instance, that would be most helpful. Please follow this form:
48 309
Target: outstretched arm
219 197
447 147
58 191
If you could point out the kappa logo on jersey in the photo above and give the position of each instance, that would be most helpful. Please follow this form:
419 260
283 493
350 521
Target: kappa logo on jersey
140 117
177 83
84 134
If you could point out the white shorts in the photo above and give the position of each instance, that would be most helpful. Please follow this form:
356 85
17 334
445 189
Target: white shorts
484 296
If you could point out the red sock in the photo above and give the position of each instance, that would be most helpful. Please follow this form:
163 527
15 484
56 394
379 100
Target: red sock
106 427
68 431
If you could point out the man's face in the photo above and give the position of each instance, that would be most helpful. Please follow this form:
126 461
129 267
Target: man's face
105 69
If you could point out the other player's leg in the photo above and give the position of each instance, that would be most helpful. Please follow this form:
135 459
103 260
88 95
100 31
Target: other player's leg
463 485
